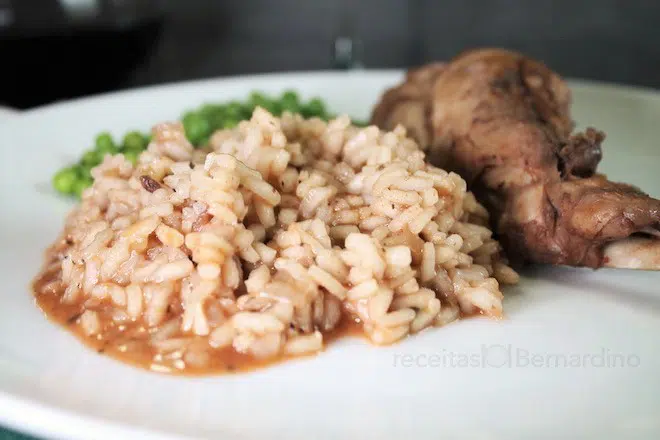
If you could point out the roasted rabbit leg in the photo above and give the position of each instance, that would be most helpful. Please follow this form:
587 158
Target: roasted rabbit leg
502 121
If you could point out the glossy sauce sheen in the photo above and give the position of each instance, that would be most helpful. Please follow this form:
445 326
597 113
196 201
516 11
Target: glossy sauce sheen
129 342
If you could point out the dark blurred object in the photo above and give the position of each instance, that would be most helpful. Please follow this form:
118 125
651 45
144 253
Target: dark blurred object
347 47
58 49
607 40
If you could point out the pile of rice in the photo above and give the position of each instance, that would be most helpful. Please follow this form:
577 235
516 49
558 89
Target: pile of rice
267 240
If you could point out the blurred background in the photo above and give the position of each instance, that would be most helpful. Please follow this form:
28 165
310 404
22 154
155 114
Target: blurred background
57 49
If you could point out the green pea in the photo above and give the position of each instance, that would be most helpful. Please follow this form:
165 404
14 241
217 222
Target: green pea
91 157
216 121
275 108
289 107
85 171
104 142
230 123
214 114
64 179
131 156
315 107
258 99
211 110
289 102
237 110
134 140
234 107
290 95
207 109
80 185
196 126
205 141
246 112
103 149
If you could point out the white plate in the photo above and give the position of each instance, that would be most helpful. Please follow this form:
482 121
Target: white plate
7 113
543 373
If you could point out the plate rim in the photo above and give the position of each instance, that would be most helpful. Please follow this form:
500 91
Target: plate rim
31 417
584 83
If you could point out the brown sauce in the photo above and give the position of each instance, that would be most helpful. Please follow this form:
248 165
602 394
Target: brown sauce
129 342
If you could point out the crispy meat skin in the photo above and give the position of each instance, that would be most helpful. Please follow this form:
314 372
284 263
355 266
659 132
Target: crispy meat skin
502 121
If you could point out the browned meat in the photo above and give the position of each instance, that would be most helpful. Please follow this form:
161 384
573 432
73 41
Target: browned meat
409 104
581 154
502 121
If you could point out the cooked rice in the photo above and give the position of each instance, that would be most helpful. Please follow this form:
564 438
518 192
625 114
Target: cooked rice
269 239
